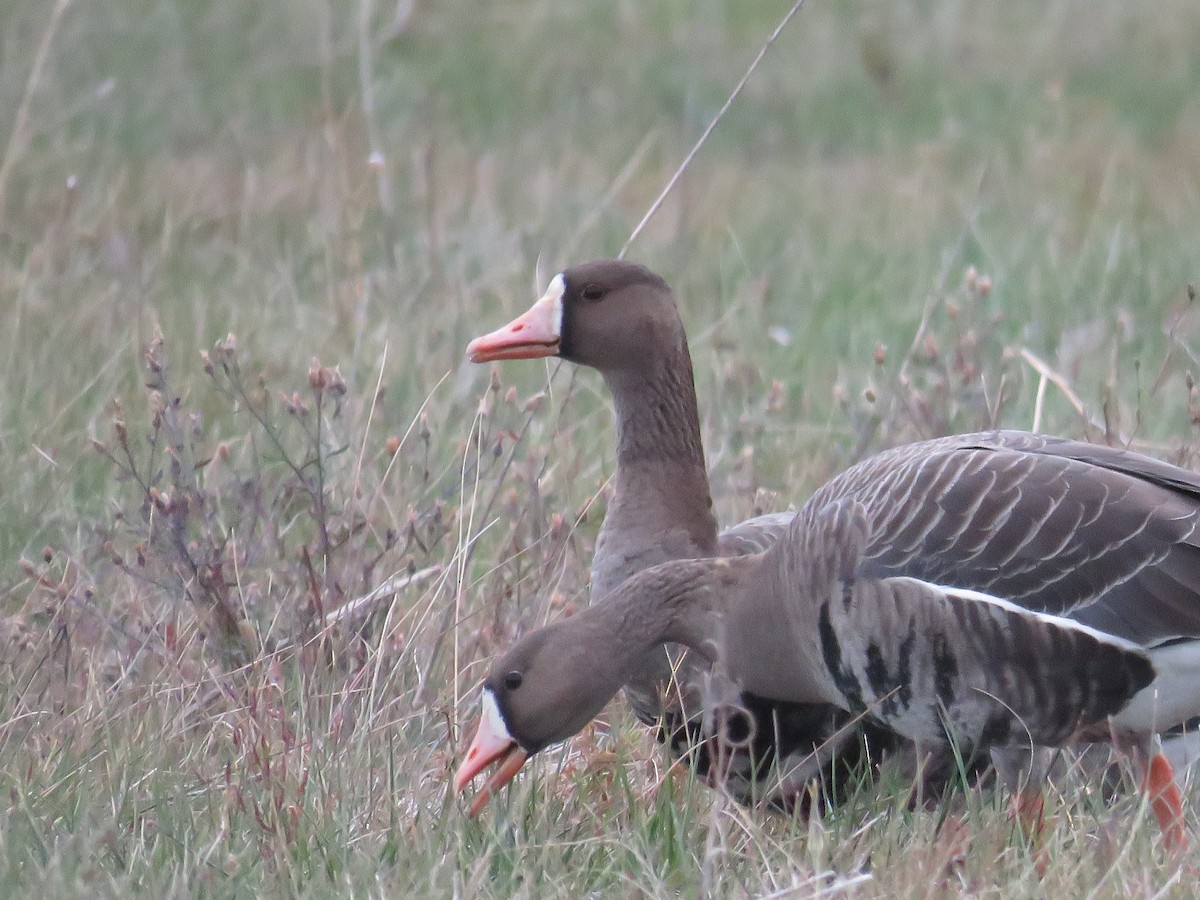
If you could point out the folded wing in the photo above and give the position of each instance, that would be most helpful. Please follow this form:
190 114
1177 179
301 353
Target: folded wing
1104 536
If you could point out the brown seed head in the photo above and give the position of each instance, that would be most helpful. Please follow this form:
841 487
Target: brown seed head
317 376
337 384
226 347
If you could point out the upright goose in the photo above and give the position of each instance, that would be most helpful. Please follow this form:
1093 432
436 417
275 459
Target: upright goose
994 590
621 319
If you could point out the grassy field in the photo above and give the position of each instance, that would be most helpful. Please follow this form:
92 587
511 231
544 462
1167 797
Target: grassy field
242 248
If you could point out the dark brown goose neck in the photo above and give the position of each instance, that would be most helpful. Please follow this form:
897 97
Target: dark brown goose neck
657 419
662 506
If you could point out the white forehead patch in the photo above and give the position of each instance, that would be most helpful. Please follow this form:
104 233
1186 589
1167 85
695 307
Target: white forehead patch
491 718
553 298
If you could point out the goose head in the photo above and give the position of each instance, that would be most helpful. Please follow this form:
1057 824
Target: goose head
608 314
555 680
541 691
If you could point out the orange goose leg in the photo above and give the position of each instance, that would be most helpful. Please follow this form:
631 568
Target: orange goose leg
1027 808
1023 771
1160 787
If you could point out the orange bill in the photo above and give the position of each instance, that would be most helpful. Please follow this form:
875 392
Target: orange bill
534 333
492 743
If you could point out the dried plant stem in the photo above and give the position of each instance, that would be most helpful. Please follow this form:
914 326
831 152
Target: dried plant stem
316 491
627 172
1039 402
371 407
1059 381
762 52
378 490
18 138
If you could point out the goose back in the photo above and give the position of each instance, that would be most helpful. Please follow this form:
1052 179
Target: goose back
1104 536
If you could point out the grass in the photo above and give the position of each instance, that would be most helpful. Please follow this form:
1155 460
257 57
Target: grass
185 711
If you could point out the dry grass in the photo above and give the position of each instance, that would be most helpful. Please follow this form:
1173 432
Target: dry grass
245 595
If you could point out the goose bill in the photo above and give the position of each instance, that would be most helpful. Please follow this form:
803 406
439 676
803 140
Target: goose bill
492 743
534 333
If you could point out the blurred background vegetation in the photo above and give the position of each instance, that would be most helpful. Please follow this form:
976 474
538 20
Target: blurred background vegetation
374 183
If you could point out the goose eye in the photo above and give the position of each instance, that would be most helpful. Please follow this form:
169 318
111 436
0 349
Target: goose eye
592 292
513 680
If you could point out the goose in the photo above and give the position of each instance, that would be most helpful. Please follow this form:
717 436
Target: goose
622 320
1081 621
